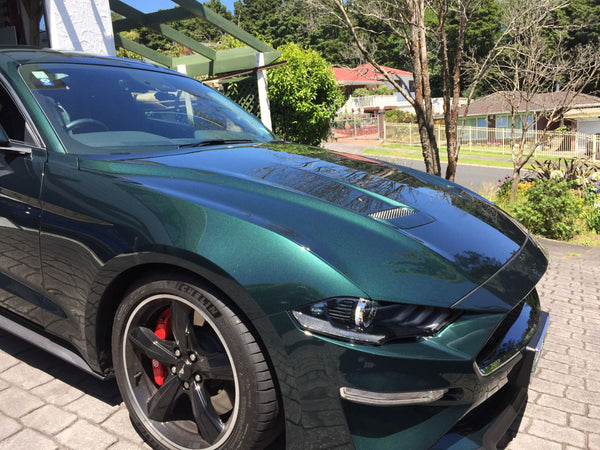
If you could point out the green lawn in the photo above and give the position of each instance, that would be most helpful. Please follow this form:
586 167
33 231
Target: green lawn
473 151
443 157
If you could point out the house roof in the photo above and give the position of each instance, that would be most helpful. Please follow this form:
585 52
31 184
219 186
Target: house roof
501 102
365 74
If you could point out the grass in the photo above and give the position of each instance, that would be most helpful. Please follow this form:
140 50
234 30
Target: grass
589 239
443 157
466 151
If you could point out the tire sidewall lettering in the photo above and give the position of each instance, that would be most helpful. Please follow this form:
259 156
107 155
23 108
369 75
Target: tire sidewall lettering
199 297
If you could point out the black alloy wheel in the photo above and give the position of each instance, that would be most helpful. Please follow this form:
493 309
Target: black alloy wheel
179 353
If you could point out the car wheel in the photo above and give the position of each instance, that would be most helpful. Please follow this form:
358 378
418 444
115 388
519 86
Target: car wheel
189 370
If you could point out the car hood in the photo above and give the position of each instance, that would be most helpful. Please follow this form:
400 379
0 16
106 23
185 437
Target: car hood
398 233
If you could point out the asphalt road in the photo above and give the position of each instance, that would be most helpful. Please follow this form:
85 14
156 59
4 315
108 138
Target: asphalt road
480 179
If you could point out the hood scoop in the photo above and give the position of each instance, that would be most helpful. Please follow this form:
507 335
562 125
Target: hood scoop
393 213
402 217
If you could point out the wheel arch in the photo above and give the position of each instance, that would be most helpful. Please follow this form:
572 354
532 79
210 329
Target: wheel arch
125 272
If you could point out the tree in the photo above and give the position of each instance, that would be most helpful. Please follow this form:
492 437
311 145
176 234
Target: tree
260 18
451 73
415 26
406 20
579 23
533 62
304 95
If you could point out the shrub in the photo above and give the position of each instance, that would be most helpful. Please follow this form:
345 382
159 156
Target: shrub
581 171
362 92
383 90
304 96
398 116
549 208
591 211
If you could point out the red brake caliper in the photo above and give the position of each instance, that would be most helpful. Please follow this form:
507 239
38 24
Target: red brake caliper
163 331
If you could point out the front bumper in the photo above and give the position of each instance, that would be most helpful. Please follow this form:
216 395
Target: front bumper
485 425
475 411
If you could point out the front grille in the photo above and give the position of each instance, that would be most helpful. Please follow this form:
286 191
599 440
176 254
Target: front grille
511 335
393 213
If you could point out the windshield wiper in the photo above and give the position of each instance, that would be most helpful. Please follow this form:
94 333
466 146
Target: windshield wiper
209 142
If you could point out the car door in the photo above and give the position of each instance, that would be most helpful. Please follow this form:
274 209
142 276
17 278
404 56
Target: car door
22 159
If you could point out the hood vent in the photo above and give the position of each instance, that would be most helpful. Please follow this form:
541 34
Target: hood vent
391 214
402 217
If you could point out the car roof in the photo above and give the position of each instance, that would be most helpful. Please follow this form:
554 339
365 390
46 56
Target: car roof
31 55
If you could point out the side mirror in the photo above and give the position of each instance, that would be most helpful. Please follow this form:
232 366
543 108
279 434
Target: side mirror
7 146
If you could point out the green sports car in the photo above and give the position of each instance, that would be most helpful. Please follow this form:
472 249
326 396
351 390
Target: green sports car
247 292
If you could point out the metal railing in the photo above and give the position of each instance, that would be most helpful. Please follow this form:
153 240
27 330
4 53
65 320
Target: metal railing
502 140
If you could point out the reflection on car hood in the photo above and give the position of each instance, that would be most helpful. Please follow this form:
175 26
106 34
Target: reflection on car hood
378 224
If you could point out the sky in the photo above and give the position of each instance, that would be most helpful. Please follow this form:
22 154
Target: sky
147 6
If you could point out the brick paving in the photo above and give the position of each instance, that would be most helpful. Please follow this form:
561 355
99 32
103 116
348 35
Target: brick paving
563 411
48 404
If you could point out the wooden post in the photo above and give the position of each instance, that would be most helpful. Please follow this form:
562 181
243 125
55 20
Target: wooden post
261 80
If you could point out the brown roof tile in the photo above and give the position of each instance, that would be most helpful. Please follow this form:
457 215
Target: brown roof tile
500 102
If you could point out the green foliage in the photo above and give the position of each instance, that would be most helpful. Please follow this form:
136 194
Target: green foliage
549 208
362 92
304 96
591 211
132 35
398 116
579 172
383 90
562 201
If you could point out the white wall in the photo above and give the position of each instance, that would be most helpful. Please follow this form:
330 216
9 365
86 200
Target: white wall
588 125
81 25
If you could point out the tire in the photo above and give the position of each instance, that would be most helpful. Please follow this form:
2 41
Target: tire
217 391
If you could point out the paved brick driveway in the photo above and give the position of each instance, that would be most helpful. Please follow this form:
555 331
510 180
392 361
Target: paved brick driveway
563 411
47 404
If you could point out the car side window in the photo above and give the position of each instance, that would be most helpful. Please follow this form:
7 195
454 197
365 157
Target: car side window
12 120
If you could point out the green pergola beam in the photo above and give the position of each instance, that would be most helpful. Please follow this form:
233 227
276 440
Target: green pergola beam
232 62
205 61
165 15
138 19
200 10
142 50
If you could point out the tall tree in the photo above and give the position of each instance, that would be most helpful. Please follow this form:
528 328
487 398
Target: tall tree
406 21
418 27
260 18
532 63
451 73
579 24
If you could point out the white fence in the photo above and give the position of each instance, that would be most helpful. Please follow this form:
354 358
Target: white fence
501 140
396 100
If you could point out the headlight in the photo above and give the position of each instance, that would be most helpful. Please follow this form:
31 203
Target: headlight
371 322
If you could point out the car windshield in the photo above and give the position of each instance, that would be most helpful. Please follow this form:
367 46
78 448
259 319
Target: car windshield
99 109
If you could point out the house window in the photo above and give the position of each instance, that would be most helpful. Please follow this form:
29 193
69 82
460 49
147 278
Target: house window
482 122
502 122
528 121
